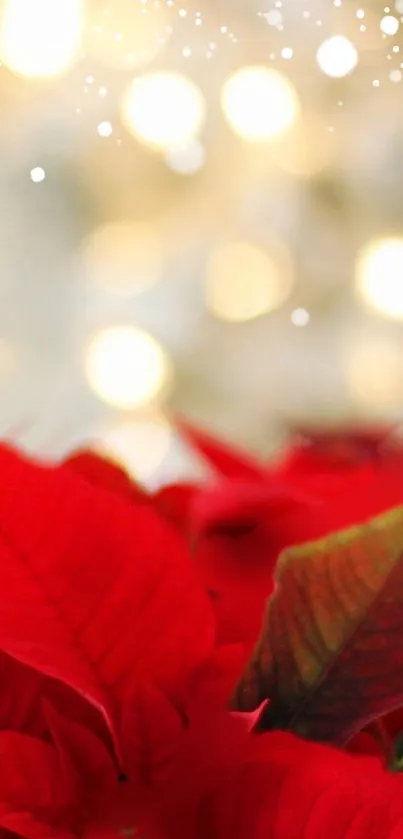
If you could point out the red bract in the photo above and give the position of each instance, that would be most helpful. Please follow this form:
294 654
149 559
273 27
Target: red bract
229 784
102 624
326 483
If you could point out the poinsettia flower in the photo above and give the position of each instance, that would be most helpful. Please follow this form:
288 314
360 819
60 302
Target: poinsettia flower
230 784
102 624
240 525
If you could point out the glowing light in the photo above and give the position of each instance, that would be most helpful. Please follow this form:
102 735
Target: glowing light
163 109
124 258
337 56
389 25
259 103
187 158
140 446
37 174
395 76
40 38
300 317
126 367
287 53
374 374
379 276
125 38
105 129
306 149
244 282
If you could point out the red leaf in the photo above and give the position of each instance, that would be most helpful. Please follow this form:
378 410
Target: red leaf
331 650
287 789
99 471
97 592
175 503
37 796
226 461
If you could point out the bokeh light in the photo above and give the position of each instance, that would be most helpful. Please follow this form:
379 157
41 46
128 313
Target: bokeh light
244 282
374 375
337 57
37 174
139 446
259 103
163 109
124 257
389 25
40 38
128 36
300 317
379 276
126 367
186 158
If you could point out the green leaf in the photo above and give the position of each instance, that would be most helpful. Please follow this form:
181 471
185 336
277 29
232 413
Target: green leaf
330 655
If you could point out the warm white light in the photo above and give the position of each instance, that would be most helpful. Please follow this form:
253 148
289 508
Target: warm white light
389 25
37 174
125 36
379 276
287 53
337 56
374 374
123 258
259 103
40 38
300 317
244 281
163 109
187 158
105 129
126 367
140 446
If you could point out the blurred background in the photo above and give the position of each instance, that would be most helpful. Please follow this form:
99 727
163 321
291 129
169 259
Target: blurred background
201 214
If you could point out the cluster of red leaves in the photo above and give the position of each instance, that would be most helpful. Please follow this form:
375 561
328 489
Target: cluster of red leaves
118 652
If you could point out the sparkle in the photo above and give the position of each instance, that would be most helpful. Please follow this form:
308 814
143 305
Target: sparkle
37 174
395 48
300 317
360 13
287 52
376 83
224 29
273 18
105 129
395 76
182 13
89 79
102 91
186 52
389 25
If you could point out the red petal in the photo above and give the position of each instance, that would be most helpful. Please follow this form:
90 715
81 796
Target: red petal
96 591
99 471
37 797
330 655
284 788
228 462
175 503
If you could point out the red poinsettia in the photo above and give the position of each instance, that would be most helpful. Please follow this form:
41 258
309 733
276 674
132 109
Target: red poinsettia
239 524
102 624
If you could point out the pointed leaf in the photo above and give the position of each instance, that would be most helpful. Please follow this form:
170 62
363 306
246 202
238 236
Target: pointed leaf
226 461
100 471
330 655
38 798
96 591
174 502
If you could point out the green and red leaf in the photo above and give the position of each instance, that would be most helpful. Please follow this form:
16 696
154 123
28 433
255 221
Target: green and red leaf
330 656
